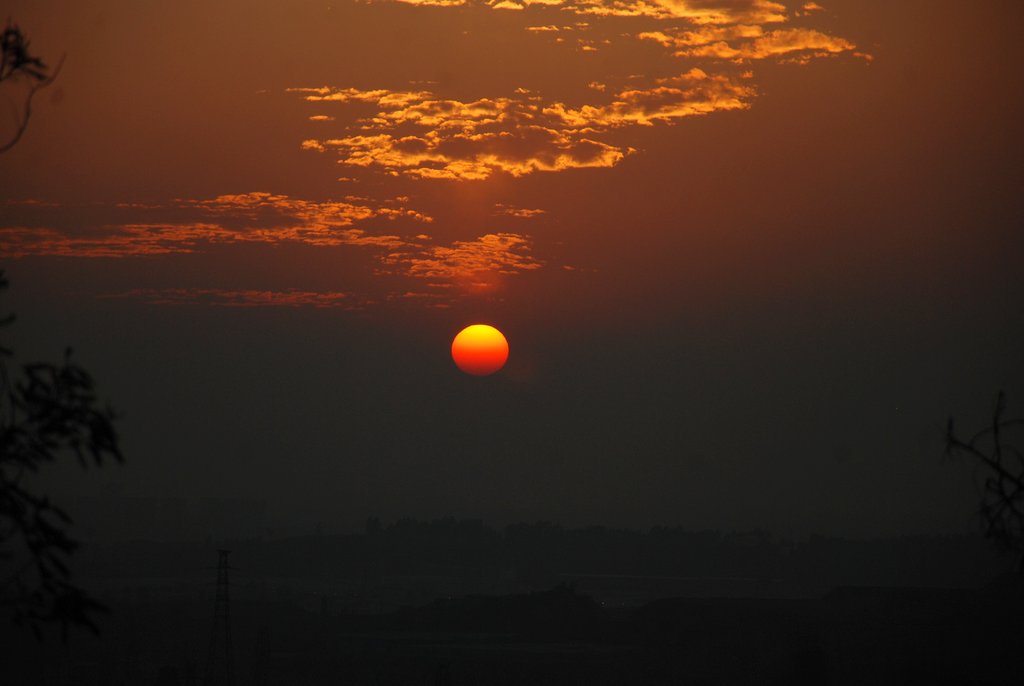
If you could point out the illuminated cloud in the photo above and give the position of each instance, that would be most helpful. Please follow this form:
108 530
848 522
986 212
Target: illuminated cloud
451 139
450 270
241 298
225 219
720 42
476 156
696 11
119 241
434 3
309 215
463 261
773 44
692 93
703 35
423 136
420 134
712 26
520 212
417 131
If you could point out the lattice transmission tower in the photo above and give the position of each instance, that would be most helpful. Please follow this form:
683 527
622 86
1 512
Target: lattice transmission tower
219 668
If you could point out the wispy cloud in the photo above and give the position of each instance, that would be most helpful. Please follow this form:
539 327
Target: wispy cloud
493 253
771 44
520 212
686 95
241 298
697 11
450 269
239 218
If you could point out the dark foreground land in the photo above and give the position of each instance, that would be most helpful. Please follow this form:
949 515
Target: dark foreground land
559 636
459 603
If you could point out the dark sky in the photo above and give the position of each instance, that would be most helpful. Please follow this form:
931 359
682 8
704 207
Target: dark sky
748 255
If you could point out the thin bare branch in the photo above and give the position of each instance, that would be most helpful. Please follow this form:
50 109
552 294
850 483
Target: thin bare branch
1002 500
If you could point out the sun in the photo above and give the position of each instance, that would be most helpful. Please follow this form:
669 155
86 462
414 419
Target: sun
480 349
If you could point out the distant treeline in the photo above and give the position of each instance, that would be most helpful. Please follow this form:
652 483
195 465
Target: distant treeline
539 555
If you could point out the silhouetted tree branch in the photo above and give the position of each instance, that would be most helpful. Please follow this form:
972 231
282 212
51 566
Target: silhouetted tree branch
47 411
1002 504
16 63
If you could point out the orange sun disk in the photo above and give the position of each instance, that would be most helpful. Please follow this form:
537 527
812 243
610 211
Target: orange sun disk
480 350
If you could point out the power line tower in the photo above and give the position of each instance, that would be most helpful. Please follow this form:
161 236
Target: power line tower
218 660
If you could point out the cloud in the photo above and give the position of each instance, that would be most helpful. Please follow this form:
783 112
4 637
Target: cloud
434 3
457 268
773 44
119 241
695 11
477 156
237 218
464 261
520 212
689 94
703 35
719 42
420 135
241 298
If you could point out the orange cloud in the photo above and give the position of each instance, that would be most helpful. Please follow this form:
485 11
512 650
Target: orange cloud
463 261
692 93
521 151
313 215
520 212
695 11
434 3
423 136
241 298
120 241
471 266
239 218
773 44
703 35
715 42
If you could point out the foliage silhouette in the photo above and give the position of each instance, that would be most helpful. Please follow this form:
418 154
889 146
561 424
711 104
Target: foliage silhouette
1002 500
18 64
47 411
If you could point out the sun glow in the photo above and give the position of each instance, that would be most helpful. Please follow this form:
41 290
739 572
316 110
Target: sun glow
480 350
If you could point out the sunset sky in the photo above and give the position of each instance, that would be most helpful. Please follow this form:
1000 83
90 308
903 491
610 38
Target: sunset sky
748 255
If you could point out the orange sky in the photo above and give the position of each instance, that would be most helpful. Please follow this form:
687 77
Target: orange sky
354 143
724 170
